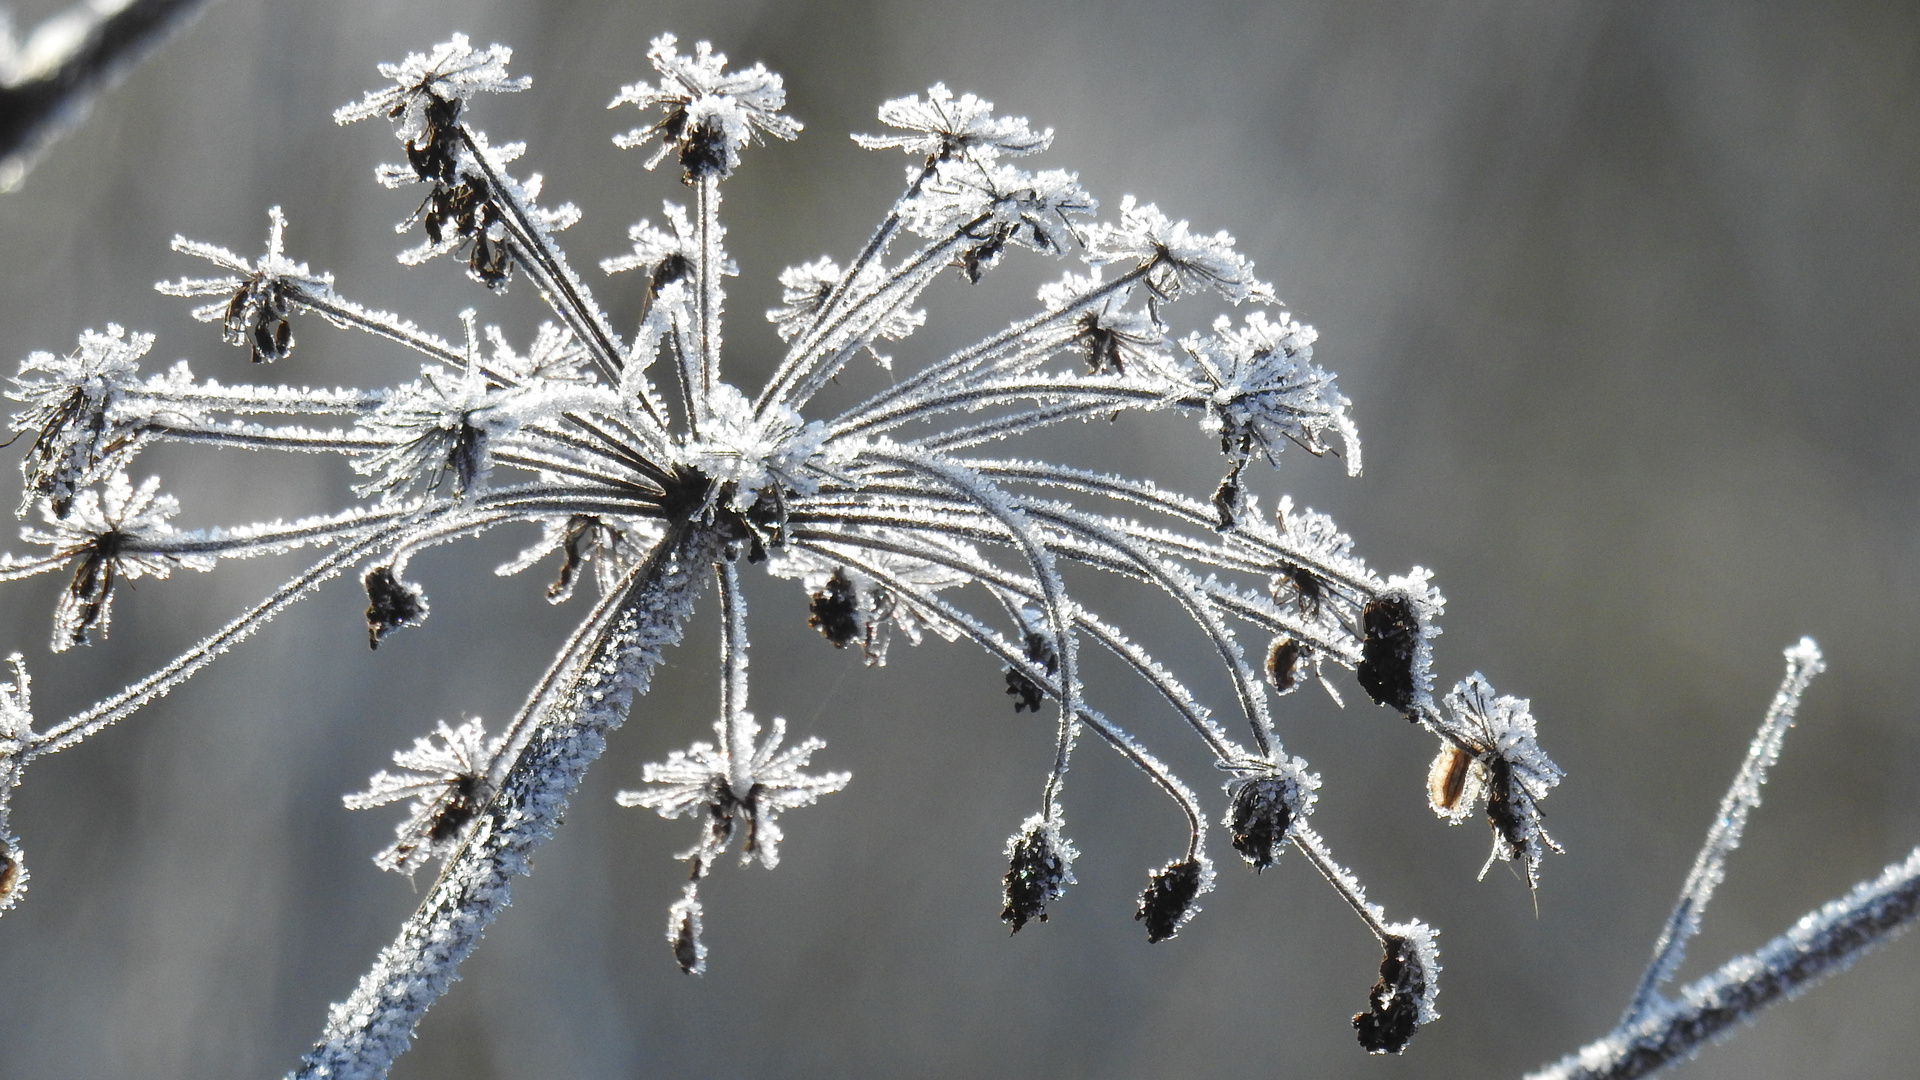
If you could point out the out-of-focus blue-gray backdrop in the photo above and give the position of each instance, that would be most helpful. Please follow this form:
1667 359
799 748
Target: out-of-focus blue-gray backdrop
1626 296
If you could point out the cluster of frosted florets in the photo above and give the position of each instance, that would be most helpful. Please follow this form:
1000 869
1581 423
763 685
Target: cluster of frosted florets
908 512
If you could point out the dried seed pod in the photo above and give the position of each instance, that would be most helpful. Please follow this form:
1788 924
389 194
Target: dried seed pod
1393 1006
683 932
87 601
1286 660
1447 778
1040 869
835 610
1386 669
11 873
1167 902
1027 694
391 604
1259 818
1228 497
1308 589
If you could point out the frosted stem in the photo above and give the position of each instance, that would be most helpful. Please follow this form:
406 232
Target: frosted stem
1709 868
375 1025
1822 943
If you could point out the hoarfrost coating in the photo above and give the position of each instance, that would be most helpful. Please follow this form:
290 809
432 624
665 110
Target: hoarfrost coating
916 509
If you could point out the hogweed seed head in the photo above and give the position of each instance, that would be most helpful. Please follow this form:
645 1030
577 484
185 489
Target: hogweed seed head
916 509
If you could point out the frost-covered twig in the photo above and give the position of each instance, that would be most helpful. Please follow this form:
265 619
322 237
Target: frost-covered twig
1709 868
1657 1031
48 81
1822 943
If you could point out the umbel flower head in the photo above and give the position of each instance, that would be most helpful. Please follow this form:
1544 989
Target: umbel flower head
916 509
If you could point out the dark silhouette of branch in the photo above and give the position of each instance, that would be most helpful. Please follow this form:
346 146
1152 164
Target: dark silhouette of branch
70 59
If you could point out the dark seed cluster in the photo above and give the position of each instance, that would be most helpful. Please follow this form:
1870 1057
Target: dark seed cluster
1036 876
835 611
1168 899
1387 655
1286 660
1393 1006
391 604
1259 818
1027 694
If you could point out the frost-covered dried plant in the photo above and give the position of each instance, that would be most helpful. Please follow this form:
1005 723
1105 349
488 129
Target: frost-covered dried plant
1658 1031
910 512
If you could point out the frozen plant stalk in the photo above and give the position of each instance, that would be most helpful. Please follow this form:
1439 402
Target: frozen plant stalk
911 512
1657 1031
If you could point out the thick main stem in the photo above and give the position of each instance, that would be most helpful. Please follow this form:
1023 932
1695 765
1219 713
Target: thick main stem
365 1033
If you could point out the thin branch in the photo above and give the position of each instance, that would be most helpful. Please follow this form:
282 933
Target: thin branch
1822 943
1709 868
72 58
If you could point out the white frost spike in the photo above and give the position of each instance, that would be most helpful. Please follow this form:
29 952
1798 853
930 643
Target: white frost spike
948 127
16 732
453 73
1710 866
447 782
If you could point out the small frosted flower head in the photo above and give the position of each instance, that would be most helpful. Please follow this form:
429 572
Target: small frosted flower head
1168 901
663 256
1403 998
1262 389
944 127
258 296
1111 336
111 531
1178 260
1040 869
71 403
1507 768
427 96
441 428
805 289
447 780
1396 657
1263 806
746 785
710 115
997 206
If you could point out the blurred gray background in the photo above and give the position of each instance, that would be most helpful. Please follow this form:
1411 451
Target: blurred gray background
1625 294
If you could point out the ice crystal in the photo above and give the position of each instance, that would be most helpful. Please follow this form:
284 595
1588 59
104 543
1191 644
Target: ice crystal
907 513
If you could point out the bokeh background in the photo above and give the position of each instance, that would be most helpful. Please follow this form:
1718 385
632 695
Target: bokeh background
1626 296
